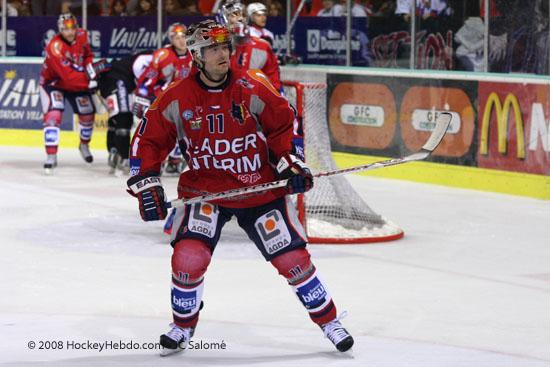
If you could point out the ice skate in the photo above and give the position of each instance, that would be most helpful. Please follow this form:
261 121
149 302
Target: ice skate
335 332
176 340
113 160
50 164
85 152
122 168
174 166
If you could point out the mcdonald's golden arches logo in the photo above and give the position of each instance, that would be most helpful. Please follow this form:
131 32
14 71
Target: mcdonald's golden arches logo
502 114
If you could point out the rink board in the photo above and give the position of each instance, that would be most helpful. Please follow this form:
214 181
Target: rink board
457 163
530 185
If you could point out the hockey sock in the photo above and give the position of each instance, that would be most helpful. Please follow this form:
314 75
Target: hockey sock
302 276
86 123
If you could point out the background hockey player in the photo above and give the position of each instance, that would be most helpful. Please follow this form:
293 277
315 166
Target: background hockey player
68 73
170 63
249 52
115 87
257 20
236 130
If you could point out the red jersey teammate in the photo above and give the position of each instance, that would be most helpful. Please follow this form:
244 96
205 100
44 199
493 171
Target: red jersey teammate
68 73
249 52
170 63
235 130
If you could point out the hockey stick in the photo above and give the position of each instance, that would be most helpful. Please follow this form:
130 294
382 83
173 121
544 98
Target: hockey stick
442 123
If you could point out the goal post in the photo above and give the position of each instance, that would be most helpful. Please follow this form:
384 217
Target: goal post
332 212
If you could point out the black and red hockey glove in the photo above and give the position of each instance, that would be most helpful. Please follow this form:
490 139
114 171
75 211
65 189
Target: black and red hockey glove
298 174
148 189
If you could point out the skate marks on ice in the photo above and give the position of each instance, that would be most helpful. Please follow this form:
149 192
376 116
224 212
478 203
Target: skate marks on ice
245 345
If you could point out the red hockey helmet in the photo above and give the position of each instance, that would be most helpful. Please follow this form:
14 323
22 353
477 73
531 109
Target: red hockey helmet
66 21
176 28
205 34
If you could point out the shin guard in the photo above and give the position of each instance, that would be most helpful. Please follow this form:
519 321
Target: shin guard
189 263
302 276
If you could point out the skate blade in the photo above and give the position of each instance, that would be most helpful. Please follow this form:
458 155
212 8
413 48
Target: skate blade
168 352
48 171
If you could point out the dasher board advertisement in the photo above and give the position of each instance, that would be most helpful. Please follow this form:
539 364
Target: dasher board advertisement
496 125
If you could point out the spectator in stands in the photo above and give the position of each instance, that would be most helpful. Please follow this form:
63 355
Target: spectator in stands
403 9
132 7
12 11
174 8
358 10
205 6
65 7
432 8
275 9
38 7
470 38
118 8
191 7
23 7
146 7
331 9
380 8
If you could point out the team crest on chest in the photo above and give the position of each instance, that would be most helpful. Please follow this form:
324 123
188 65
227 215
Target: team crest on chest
238 112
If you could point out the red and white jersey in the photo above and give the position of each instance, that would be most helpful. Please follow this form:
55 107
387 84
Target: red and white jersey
263 33
255 53
229 135
65 63
166 66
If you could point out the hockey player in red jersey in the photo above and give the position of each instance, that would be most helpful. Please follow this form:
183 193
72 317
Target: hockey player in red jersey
235 130
68 73
170 63
249 52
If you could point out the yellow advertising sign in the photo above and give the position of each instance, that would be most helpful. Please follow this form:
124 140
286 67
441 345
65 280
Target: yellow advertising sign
502 114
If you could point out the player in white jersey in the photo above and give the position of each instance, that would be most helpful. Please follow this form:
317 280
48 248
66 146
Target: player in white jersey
257 19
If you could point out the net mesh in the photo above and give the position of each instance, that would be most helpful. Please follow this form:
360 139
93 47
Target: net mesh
333 209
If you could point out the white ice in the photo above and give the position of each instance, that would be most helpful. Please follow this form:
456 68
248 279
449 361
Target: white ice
468 286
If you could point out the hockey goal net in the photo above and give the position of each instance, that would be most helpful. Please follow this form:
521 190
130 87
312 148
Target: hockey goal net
333 212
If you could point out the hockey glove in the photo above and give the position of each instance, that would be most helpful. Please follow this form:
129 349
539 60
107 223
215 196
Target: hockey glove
94 69
148 189
141 104
299 176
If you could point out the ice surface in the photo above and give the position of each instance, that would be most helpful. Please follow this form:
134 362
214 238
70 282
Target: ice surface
469 285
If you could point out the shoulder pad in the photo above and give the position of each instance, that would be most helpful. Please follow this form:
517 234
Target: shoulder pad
160 54
256 75
56 47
